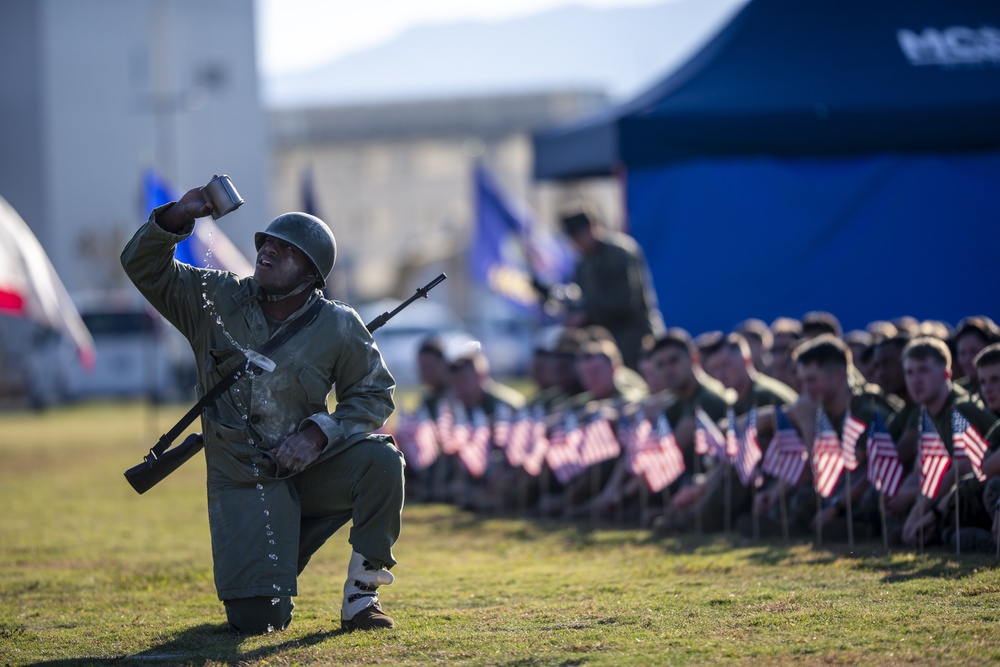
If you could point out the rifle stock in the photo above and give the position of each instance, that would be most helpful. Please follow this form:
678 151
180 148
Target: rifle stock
154 469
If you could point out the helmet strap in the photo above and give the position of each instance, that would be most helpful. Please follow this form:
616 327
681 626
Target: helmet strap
280 297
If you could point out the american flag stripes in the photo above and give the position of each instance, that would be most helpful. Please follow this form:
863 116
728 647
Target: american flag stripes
786 456
748 454
599 441
502 416
967 442
852 431
519 438
417 438
659 460
708 439
446 428
475 451
828 460
563 456
538 443
637 439
885 472
732 440
934 459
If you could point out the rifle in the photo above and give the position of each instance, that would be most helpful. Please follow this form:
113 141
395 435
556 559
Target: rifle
162 461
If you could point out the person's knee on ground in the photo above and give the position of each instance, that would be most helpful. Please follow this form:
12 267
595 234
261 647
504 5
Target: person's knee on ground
259 615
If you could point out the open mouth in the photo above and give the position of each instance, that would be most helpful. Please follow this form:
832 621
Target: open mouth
264 262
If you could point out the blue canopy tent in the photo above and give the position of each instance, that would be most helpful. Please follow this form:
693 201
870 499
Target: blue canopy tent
822 155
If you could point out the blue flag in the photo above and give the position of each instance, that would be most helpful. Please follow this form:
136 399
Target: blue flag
510 251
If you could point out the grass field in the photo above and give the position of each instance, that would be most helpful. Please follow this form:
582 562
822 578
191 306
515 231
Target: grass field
92 573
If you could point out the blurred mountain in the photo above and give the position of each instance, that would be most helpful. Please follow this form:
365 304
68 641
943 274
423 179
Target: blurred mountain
618 51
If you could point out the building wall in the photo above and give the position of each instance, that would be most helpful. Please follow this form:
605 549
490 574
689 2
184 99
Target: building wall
93 92
395 183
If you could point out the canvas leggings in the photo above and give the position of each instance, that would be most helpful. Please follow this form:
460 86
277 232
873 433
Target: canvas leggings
364 485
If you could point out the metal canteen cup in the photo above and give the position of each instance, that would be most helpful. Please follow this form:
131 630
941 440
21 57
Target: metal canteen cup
223 195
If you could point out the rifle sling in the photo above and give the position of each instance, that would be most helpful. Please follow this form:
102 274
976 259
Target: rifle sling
211 396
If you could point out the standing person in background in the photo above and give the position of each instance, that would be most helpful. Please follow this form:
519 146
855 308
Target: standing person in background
616 289
283 472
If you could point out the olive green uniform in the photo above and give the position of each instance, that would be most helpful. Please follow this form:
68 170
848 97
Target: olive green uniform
265 523
617 293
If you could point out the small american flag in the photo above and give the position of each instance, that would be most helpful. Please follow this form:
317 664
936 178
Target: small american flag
934 459
786 456
638 434
732 440
853 429
967 442
563 455
659 460
519 438
461 430
417 438
828 460
748 453
885 472
599 442
538 443
708 439
501 424
446 428
475 452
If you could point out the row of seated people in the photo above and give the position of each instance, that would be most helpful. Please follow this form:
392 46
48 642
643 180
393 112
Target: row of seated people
705 437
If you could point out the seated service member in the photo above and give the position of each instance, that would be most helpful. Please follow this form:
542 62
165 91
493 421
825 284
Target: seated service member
283 473
927 362
824 367
729 359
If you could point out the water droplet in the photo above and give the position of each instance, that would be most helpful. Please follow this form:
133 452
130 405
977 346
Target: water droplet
273 556
275 601
260 486
267 513
276 587
270 628
270 541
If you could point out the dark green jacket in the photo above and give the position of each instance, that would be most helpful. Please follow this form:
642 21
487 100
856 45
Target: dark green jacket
253 509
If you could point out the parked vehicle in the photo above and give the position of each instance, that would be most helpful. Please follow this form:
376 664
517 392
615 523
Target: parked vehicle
137 354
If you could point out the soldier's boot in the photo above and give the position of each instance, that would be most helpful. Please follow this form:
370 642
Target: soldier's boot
361 609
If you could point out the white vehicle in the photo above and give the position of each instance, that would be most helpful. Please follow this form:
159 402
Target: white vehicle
137 354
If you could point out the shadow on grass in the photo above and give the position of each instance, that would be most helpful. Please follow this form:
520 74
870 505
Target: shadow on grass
205 644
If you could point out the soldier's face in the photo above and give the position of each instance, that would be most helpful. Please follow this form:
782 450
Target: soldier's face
819 383
281 267
888 369
967 347
673 366
597 375
727 366
989 385
926 379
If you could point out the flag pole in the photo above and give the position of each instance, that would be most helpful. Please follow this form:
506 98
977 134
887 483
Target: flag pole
728 509
850 514
754 519
958 543
920 459
698 515
783 506
885 526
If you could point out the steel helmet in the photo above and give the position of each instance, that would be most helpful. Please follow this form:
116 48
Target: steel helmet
307 233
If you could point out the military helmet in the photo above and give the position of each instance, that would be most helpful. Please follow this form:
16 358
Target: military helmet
307 233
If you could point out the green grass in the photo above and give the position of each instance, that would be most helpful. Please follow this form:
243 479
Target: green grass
92 573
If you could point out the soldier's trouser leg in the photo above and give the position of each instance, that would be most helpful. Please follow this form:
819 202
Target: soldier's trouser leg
255 616
364 484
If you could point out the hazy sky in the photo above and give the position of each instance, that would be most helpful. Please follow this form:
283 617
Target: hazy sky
298 34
